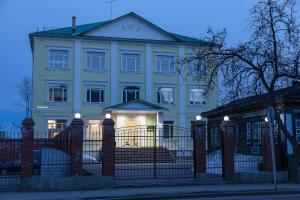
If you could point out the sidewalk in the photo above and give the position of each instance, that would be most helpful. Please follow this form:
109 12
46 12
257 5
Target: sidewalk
155 192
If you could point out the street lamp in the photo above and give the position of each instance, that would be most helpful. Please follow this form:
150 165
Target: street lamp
226 118
77 115
198 117
107 115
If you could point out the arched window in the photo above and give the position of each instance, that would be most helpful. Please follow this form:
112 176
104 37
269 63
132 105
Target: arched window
131 93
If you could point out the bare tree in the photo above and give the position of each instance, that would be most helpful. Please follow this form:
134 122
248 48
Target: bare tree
25 92
269 60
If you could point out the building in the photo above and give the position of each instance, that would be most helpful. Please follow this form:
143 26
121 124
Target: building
248 115
125 66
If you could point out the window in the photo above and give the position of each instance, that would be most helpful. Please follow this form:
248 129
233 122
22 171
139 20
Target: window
130 62
297 123
95 60
197 96
131 93
58 59
198 67
165 95
168 129
58 93
93 130
256 131
248 133
215 136
165 64
95 95
55 126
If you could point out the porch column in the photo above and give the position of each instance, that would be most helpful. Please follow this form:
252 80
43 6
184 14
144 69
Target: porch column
227 128
199 131
159 128
108 148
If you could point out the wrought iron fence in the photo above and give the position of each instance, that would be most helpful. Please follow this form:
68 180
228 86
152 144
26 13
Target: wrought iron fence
145 152
10 160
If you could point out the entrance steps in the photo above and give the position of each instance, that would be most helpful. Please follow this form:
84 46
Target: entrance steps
143 155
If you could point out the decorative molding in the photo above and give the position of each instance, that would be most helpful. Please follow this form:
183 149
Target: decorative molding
77 81
113 73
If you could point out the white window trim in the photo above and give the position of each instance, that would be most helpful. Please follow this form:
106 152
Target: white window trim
52 118
197 87
86 68
134 93
122 52
68 49
158 86
49 83
165 54
87 87
189 71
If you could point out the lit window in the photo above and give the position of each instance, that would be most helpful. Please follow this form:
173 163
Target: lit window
95 95
165 95
94 130
165 64
130 62
131 93
95 60
168 129
55 126
197 96
58 58
58 93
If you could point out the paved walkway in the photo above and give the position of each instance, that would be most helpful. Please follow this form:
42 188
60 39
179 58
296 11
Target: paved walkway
153 192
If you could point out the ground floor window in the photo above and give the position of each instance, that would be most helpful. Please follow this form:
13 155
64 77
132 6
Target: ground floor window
55 126
168 129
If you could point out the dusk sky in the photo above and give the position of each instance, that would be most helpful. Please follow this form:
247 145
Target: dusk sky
20 17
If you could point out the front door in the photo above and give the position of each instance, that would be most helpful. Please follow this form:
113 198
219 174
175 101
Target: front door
131 133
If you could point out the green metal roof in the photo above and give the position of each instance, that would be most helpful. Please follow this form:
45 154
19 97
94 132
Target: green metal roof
81 29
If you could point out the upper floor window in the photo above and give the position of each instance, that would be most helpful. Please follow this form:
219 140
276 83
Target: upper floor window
130 62
58 58
297 126
197 96
95 60
168 128
55 126
95 95
197 67
58 93
165 64
165 95
131 93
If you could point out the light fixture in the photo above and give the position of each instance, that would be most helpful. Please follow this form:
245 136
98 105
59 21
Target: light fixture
77 115
107 115
198 117
266 119
226 118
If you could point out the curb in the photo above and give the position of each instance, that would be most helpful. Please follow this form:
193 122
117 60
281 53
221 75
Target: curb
198 195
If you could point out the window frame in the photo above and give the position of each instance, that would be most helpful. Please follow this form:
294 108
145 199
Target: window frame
137 62
170 127
157 70
56 119
159 95
101 94
205 96
196 72
102 68
57 85
58 49
124 92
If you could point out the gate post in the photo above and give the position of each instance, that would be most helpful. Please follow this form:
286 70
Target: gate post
108 148
76 130
27 148
199 129
266 148
227 128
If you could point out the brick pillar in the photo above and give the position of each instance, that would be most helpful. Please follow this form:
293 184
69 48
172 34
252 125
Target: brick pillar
76 131
27 148
227 128
108 148
266 148
199 128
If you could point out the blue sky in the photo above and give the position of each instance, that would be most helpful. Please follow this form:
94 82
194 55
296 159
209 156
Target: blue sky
20 17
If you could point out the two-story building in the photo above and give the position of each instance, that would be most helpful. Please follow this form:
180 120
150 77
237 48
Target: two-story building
126 67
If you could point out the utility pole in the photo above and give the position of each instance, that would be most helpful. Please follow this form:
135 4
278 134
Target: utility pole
111 6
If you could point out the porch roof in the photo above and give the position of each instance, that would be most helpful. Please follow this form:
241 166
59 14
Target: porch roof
137 106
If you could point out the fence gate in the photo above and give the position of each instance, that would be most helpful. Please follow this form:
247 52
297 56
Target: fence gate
10 161
154 152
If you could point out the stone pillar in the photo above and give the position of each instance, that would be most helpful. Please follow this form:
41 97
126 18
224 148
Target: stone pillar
266 148
27 148
108 148
227 129
76 131
199 129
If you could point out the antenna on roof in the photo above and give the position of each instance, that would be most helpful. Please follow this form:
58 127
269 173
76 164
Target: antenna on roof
111 6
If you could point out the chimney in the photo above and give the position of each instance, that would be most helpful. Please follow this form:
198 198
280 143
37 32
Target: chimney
73 24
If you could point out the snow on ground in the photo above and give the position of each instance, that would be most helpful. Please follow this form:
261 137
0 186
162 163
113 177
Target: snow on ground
243 163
